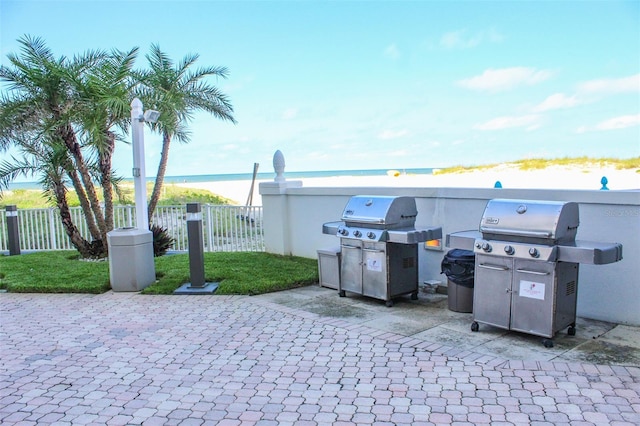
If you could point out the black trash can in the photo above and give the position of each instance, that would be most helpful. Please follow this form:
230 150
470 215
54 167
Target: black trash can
458 265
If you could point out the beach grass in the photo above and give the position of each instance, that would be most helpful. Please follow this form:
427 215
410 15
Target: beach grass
172 195
543 163
245 273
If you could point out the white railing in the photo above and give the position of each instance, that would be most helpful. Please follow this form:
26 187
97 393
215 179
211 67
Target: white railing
226 228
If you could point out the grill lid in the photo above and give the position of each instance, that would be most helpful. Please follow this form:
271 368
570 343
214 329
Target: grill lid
546 222
384 212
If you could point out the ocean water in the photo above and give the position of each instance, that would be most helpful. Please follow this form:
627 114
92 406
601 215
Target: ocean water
260 176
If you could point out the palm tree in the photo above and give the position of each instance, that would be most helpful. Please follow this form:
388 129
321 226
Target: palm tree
177 91
59 113
103 94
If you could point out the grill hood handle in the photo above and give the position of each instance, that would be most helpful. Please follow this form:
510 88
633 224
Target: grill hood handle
516 232
363 219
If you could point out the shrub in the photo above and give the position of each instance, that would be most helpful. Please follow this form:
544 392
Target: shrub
162 241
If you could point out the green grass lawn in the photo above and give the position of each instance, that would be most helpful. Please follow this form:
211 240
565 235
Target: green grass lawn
237 273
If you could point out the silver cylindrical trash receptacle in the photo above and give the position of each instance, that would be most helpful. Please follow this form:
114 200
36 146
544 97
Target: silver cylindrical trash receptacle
131 266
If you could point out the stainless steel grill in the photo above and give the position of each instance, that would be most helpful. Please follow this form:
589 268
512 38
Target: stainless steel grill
526 266
379 246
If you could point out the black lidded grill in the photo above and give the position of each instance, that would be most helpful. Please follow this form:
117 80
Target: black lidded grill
526 266
379 246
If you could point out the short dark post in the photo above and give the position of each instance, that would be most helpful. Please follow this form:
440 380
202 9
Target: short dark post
196 254
13 230
196 244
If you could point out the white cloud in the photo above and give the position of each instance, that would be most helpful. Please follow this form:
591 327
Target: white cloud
606 86
392 134
619 122
392 51
495 80
615 123
289 113
461 40
530 122
557 101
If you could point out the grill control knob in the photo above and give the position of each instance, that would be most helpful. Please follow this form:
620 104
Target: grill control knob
509 249
343 232
371 235
357 234
533 252
486 247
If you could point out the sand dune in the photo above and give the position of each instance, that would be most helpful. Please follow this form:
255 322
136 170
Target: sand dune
510 177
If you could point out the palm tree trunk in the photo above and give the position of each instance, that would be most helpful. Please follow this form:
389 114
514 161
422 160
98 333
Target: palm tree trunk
105 176
84 203
69 137
162 168
82 245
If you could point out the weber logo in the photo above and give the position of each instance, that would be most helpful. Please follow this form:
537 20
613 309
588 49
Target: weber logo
491 220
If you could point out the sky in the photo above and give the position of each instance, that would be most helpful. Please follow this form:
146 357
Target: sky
353 85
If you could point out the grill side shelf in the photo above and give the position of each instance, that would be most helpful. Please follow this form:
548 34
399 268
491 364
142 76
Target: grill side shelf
331 228
591 253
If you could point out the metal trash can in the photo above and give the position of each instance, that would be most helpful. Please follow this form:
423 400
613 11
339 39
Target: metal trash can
131 266
458 265
329 267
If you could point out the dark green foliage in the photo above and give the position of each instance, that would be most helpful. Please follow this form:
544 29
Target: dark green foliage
162 241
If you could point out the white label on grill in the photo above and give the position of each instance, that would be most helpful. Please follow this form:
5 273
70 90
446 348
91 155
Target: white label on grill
532 290
374 265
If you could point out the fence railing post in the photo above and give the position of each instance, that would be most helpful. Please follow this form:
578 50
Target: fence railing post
52 230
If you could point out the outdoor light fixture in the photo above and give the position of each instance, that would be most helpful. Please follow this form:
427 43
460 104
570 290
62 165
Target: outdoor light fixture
13 231
150 116
198 284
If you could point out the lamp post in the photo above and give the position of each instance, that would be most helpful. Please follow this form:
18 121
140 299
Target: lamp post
138 118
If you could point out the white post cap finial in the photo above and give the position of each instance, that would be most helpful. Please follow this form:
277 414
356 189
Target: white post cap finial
278 166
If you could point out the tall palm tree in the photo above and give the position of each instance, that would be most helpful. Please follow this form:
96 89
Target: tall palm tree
103 98
177 91
59 113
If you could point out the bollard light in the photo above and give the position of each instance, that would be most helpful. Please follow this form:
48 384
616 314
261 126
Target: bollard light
13 232
197 285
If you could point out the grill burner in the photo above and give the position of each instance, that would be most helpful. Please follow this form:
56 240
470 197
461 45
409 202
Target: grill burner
379 246
527 258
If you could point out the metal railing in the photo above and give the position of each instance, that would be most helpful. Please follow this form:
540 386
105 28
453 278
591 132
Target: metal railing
226 228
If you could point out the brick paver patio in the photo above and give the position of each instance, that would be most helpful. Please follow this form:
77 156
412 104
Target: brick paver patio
123 359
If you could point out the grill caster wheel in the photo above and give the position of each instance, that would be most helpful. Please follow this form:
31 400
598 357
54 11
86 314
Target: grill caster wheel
341 293
548 343
389 303
414 295
475 326
571 331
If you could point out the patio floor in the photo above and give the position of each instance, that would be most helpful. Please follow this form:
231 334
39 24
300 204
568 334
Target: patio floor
304 357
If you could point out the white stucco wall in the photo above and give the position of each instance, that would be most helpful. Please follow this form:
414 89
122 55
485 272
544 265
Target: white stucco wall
294 217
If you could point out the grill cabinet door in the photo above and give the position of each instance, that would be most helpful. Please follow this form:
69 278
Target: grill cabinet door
351 266
534 292
374 271
492 290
